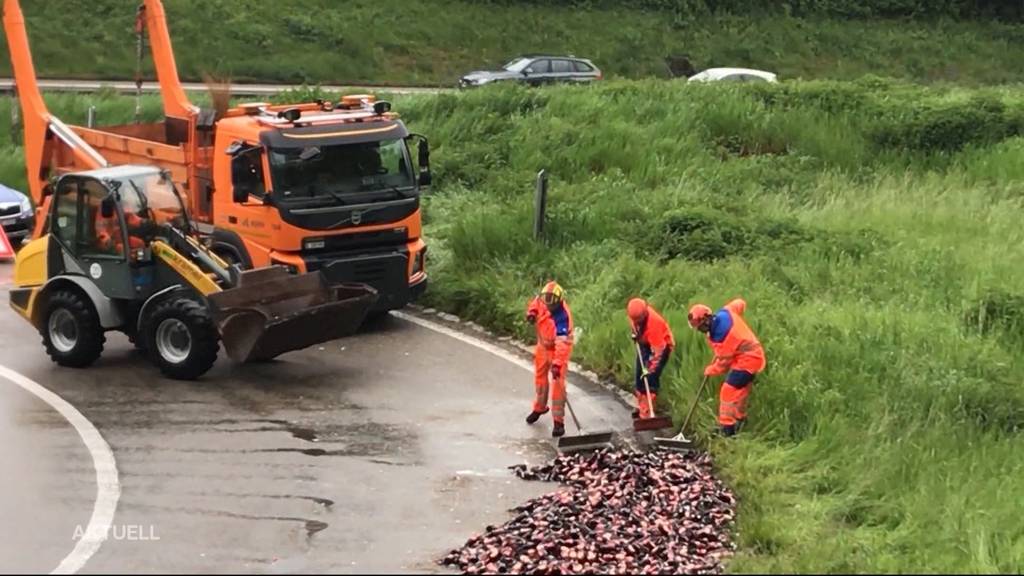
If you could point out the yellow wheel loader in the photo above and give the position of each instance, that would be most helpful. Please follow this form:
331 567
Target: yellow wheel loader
118 253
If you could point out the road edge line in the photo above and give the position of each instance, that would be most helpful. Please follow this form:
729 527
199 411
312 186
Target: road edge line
108 485
510 357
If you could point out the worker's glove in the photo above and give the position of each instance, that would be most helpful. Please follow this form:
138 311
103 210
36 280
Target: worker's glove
531 317
710 370
556 372
634 336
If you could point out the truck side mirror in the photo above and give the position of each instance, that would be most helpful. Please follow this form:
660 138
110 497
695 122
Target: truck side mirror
423 150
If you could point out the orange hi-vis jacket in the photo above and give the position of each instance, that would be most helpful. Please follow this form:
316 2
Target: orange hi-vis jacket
656 336
734 343
554 331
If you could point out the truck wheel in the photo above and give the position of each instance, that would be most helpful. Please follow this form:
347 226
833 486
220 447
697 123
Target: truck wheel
181 338
229 256
71 330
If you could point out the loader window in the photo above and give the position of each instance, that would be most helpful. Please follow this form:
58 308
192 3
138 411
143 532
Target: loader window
65 221
153 197
103 233
335 171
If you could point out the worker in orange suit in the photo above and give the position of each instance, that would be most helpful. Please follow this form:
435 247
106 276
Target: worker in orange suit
656 342
108 230
738 355
550 315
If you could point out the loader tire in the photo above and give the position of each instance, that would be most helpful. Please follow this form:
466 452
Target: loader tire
181 338
71 330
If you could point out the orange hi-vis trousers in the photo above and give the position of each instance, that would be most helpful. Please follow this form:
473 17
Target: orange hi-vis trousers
542 359
732 407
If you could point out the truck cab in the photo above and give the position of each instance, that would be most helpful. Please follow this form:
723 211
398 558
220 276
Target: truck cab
331 187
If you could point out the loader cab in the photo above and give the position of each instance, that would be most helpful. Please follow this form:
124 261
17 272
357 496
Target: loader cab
103 221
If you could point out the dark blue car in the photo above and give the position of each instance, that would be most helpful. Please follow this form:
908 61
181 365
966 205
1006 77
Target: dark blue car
16 215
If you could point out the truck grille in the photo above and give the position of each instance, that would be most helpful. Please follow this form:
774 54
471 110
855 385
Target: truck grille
10 210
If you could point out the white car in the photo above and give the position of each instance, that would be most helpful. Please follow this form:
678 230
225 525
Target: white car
734 75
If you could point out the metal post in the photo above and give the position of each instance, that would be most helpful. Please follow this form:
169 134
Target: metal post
540 204
91 120
15 120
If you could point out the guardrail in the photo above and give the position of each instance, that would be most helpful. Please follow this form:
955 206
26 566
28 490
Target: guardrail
128 87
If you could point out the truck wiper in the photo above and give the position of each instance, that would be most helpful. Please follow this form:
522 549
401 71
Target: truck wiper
404 191
396 190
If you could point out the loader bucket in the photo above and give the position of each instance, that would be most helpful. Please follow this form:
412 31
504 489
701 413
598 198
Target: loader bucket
271 312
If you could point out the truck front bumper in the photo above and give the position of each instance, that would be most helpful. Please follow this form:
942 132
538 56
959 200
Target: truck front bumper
387 272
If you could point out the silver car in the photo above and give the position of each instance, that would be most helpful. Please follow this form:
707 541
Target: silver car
16 215
537 70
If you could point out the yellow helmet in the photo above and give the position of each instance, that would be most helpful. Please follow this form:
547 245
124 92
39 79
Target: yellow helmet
551 293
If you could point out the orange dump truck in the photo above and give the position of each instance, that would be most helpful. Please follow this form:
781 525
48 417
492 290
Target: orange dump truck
328 186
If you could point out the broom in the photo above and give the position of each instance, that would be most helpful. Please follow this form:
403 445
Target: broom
652 423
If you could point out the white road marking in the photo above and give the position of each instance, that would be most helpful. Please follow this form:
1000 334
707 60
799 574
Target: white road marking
571 389
467 339
108 487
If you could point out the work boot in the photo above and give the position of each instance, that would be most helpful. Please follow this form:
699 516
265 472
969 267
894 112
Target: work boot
534 416
636 414
559 430
729 431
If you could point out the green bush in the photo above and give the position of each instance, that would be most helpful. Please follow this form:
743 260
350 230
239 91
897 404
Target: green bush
951 127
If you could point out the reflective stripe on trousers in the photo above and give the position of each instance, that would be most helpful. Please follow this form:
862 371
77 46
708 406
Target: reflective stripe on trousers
732 405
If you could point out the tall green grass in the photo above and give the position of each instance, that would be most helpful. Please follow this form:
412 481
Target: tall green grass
435 41
873 232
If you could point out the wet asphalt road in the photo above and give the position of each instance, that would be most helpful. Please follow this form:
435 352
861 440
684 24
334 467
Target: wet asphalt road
377 453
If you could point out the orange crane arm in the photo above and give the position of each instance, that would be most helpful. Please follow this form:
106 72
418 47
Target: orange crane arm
35 116
44 133
176 103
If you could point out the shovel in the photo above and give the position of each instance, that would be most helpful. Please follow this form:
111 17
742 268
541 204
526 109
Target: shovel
652 423
680 442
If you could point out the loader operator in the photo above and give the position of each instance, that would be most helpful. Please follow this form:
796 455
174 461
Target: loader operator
108 229
550 314
737 352
654 337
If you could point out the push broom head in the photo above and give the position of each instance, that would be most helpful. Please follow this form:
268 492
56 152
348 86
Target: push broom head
585 442
678 443
644 424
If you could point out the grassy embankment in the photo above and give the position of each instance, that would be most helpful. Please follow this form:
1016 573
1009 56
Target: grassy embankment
435 41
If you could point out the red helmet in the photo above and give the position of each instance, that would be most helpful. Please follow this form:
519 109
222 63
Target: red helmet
637 309
698 313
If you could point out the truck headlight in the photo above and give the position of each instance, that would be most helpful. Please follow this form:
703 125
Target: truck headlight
418 263
26 206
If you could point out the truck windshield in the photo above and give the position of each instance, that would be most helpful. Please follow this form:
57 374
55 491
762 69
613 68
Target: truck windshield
340 170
